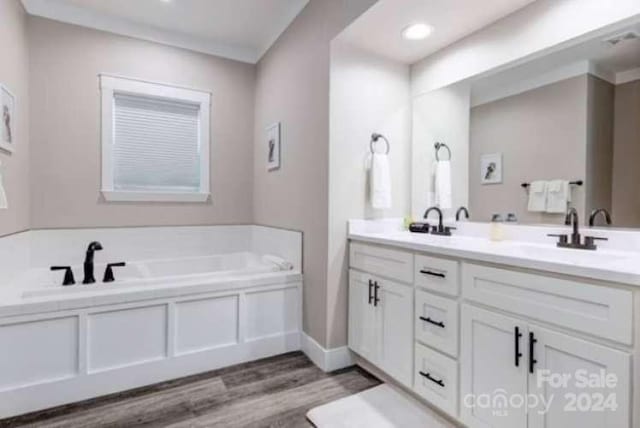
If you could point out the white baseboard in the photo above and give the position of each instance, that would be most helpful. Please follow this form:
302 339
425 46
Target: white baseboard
327 359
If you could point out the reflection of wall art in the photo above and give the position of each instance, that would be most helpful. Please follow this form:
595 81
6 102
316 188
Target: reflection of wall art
491 168
273 147
8 124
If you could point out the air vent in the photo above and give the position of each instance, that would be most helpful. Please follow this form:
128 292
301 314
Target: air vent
624 37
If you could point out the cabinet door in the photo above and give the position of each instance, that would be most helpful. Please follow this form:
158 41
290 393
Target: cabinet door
575 401
362 317
395 318
490 370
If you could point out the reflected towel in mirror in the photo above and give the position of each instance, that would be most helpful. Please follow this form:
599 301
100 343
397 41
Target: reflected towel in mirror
558 196
380 182
537 197
443 194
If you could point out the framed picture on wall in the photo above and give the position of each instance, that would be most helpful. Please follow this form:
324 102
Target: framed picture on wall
273 147
8 125
491 168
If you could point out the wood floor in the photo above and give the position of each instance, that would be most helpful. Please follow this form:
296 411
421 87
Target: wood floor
275 392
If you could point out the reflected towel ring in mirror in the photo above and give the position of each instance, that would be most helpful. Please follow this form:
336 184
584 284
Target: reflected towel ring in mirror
439 146
374 140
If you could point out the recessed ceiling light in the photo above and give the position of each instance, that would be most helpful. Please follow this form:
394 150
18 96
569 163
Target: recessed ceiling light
417 32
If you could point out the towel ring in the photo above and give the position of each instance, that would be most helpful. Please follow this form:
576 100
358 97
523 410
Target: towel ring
374 140
439 146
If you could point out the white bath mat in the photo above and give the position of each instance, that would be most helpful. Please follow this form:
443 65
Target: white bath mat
379 407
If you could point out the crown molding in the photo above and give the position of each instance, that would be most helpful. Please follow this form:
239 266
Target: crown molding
72 14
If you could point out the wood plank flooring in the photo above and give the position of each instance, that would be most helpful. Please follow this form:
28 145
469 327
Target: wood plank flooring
274 392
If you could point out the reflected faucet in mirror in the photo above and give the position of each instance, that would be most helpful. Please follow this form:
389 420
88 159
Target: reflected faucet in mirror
600 211
462 210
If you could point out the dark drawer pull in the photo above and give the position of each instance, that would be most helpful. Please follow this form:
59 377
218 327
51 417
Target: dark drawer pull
430 321
518 354
376 299
429 272
436 381
532 346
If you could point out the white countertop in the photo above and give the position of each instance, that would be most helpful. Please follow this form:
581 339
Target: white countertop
603 264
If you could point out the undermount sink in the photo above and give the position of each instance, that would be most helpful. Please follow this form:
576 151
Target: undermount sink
566 255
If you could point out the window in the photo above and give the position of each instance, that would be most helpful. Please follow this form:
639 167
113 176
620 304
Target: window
155 142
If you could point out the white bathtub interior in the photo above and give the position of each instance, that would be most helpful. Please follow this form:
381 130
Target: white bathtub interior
151 254
39 282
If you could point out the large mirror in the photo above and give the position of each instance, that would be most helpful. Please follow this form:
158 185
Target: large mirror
558 131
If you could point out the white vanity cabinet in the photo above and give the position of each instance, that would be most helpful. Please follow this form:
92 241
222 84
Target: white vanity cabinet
477 340
505 356
381 323
489 367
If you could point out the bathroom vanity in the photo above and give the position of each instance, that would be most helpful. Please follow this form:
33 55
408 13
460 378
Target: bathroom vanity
477 328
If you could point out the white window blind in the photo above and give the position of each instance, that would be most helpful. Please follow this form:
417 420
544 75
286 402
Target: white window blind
156 144
155 141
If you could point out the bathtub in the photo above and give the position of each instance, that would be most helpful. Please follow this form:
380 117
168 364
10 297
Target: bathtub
166 315
173 272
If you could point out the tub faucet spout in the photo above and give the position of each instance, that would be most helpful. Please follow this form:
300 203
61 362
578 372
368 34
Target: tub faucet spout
88 262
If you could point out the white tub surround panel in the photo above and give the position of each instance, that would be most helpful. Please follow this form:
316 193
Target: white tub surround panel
14 256
62 357
286 244
487 317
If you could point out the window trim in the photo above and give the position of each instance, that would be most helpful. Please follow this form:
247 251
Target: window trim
109 86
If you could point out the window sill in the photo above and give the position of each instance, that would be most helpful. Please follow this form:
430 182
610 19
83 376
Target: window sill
122 196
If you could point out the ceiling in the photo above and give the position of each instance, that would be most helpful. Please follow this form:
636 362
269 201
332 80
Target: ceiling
379 30
238 29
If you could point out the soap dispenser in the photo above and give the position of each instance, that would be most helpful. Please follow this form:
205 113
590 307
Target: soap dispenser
496 231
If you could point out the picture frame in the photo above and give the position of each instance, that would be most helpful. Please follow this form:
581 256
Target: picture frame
8 139
273 147
491 168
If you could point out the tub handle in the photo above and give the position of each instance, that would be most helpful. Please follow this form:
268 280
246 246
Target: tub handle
108 272
68 275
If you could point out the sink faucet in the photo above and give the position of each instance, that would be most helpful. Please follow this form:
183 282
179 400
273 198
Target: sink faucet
594 214
440 229
462 210
88 262
572 220
576 240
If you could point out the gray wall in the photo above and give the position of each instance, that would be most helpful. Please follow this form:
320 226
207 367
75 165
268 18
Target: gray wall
14 69
65 123
293 88
542 135
626 170
600 122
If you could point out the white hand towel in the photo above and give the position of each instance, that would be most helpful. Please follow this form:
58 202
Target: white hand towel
558 196
443 185
538 197
380 182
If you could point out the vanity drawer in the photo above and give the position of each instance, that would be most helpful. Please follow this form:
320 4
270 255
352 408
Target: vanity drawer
436 379
597 310
437 274
393 264
436 322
